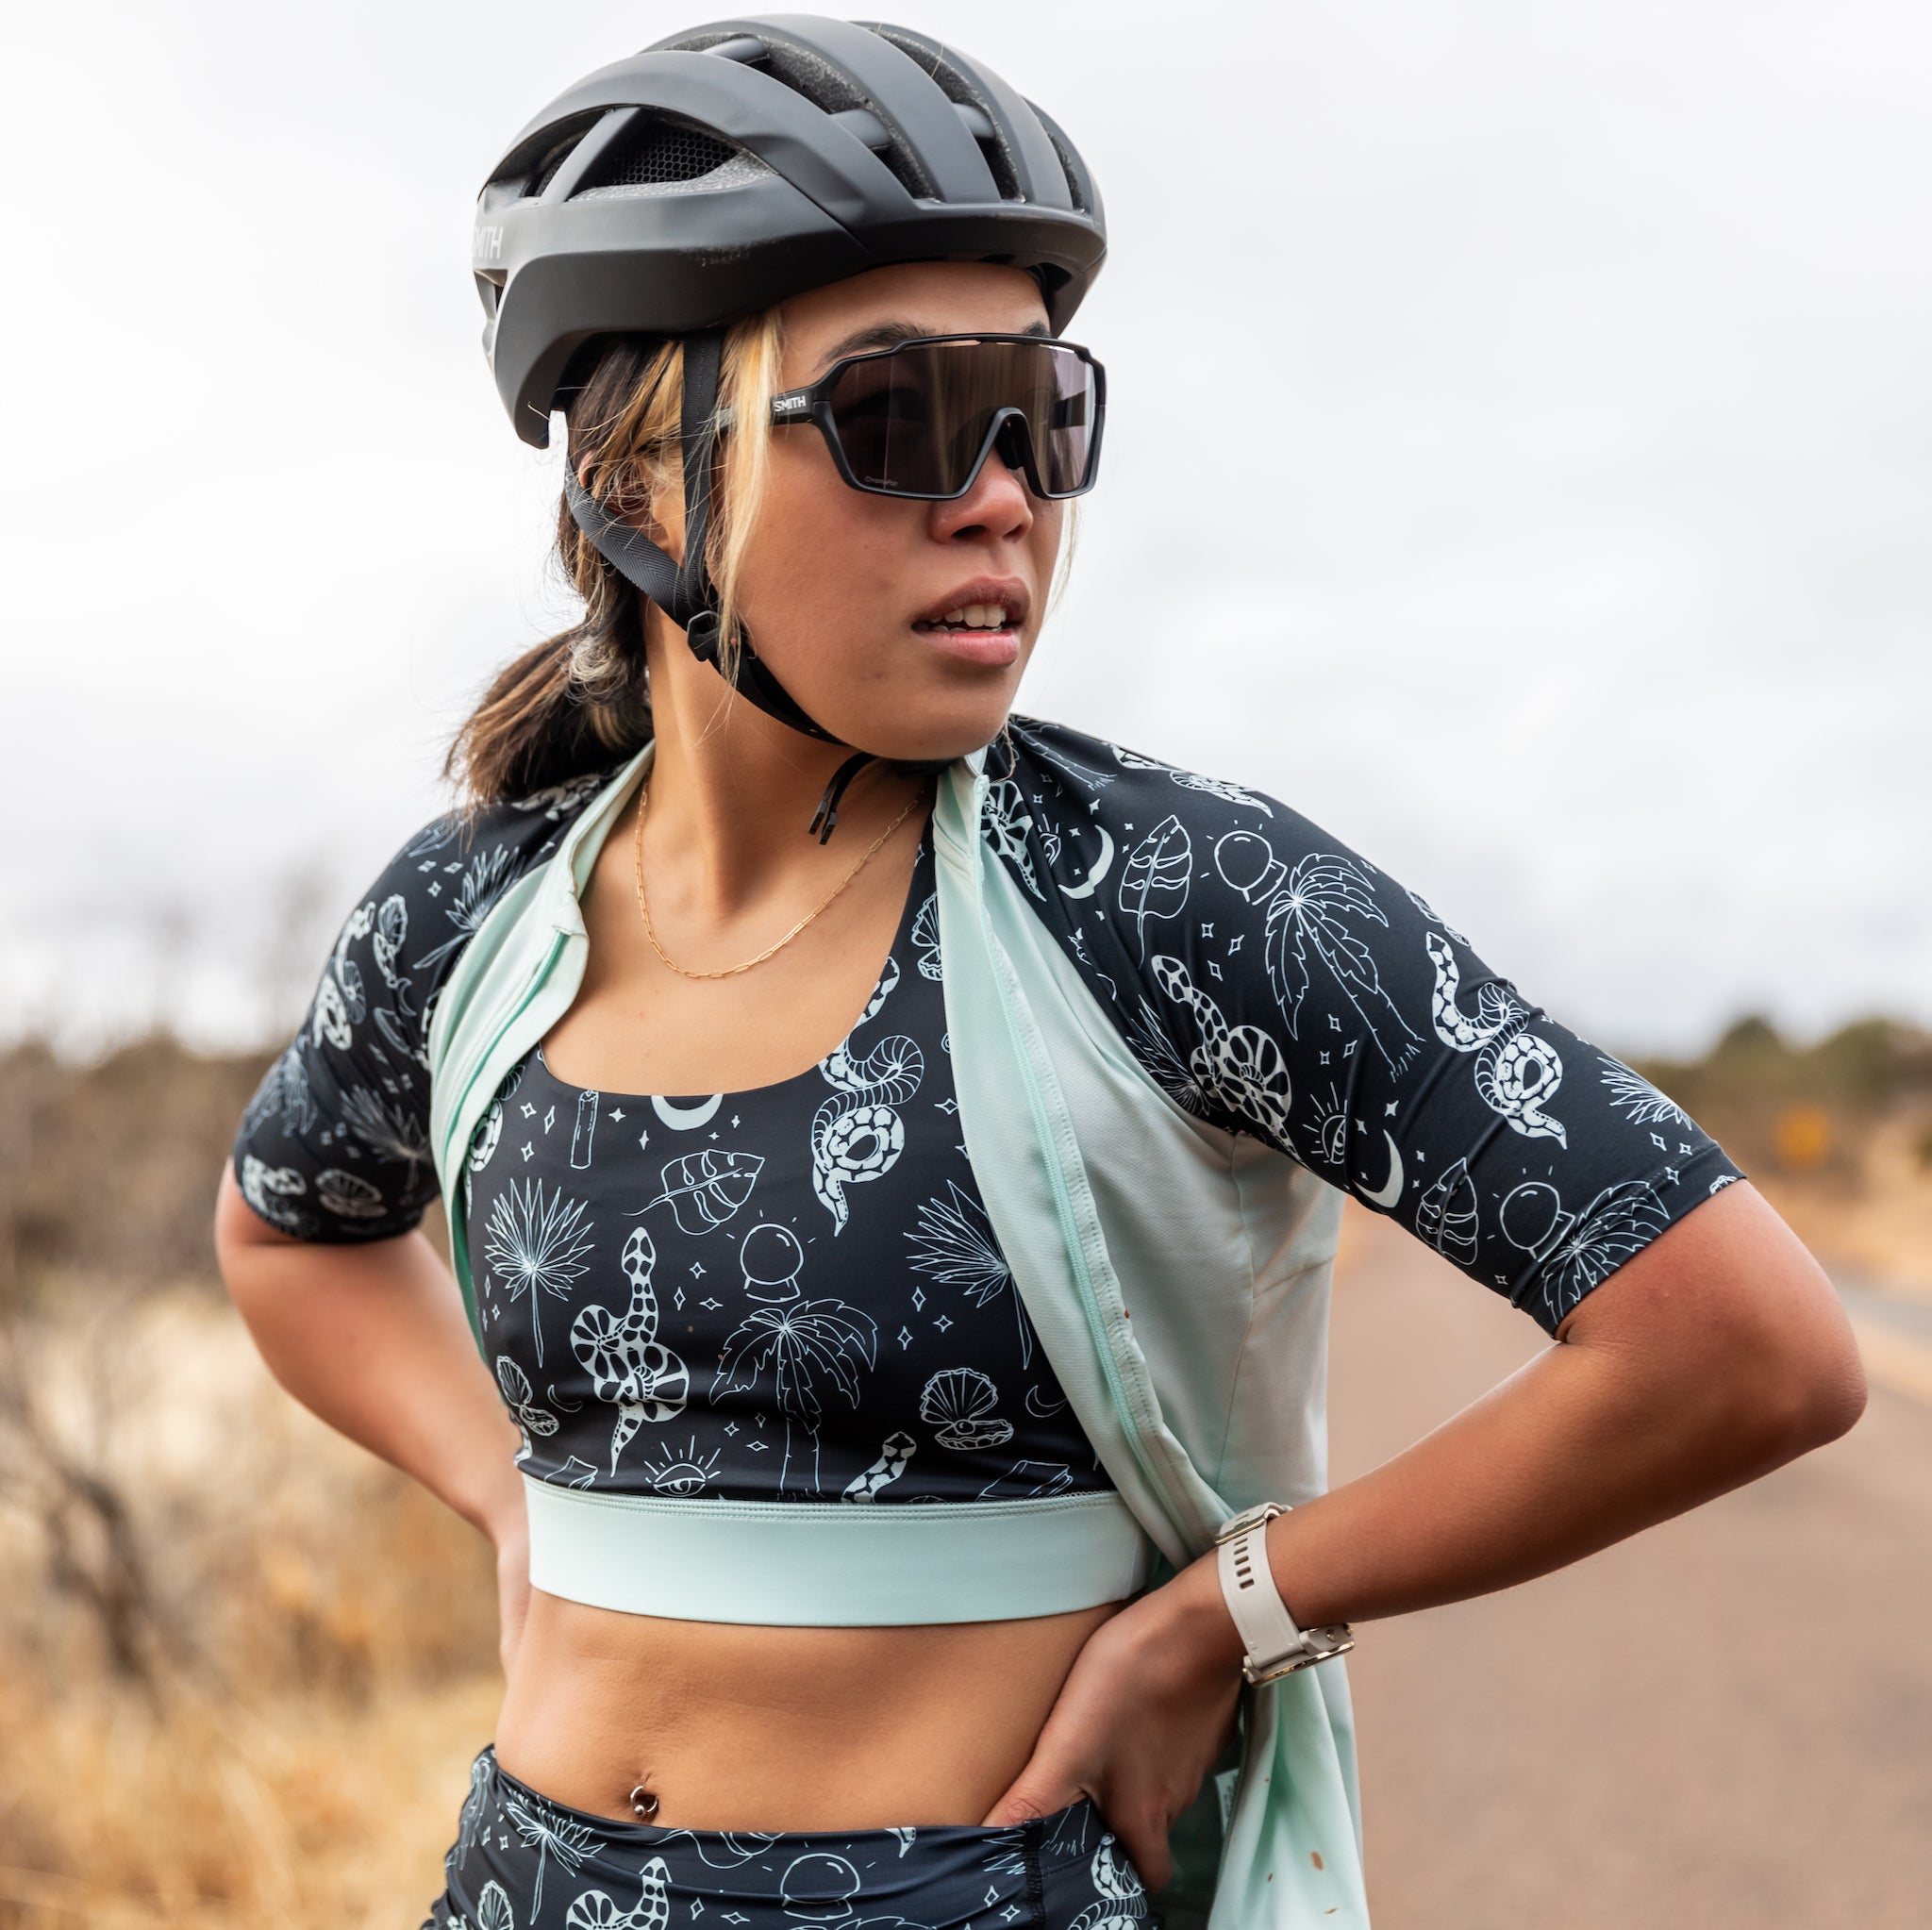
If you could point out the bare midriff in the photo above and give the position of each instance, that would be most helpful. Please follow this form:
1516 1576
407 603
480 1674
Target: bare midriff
740 1725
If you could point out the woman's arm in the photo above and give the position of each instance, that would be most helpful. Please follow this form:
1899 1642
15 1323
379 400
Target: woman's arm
372 1338
1715 1354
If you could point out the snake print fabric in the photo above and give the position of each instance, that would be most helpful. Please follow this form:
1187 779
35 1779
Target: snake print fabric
1273 981
791 1293
522 1862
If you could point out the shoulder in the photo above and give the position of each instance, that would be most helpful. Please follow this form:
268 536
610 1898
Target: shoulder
1217 923
335 1144
1139 842
430 900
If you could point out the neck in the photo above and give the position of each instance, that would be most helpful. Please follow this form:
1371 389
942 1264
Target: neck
733 791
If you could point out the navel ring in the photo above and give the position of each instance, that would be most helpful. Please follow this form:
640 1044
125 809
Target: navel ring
643 1804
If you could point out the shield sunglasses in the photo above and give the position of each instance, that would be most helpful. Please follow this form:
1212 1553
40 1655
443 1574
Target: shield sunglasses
919 419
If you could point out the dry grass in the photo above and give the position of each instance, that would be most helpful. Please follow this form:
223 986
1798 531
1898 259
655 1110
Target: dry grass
243 1666
282 1733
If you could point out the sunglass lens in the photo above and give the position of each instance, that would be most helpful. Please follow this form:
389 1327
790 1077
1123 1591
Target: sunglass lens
914 422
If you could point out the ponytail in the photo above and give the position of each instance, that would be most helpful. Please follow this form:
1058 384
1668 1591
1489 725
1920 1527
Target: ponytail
580 700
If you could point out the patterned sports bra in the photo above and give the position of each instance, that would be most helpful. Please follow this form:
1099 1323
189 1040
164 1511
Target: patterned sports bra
791 1292
794 1293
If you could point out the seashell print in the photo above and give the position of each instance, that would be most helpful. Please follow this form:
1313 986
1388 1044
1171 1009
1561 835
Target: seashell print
958 1401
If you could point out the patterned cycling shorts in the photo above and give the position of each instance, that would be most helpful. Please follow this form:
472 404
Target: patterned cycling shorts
523 1862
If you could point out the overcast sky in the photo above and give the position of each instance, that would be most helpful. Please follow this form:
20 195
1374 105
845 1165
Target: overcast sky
1521 461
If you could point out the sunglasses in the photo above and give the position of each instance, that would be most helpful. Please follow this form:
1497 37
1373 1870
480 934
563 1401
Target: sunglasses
920 419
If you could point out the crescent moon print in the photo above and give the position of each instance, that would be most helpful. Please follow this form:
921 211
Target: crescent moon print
1095 872
1039 1409
1516 1073
1240 1065
1311 918
1391 1189
687 1119
860 1135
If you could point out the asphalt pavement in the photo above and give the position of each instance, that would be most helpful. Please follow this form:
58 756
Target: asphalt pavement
1721 1723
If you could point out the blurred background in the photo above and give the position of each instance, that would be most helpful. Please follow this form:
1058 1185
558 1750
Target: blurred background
1521 462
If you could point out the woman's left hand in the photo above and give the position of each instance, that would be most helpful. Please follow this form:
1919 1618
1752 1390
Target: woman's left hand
1144 1711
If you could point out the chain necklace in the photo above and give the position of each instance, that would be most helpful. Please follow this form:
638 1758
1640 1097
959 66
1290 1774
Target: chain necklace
729 969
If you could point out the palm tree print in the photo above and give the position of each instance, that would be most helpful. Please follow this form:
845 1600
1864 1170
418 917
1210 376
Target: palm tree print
1632 1093
1309 919
485 879
797 1342
550 1834
537 1246
961 1248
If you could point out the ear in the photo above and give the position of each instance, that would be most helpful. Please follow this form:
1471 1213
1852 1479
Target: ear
657 512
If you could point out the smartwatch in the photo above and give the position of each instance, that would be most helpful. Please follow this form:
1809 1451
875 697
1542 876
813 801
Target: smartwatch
1276 1646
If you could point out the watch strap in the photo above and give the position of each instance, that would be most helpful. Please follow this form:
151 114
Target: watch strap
1276 1644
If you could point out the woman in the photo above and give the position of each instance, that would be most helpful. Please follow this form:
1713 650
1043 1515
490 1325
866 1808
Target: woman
858 1548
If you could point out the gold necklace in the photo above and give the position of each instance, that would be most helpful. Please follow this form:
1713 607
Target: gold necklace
729 969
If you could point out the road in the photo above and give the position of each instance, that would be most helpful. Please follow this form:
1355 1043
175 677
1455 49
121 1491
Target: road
1723 1724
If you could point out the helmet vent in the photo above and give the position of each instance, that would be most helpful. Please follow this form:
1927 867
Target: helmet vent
657 151
530 168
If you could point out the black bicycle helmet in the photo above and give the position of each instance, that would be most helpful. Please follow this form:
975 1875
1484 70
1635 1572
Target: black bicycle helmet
723 168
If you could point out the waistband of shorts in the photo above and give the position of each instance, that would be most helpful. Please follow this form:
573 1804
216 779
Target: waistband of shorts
1059 1836
834 1564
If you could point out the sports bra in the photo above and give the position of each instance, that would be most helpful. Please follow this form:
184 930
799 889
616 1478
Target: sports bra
791 1292
797 1297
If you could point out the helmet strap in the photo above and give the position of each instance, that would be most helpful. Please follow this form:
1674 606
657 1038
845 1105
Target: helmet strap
685 591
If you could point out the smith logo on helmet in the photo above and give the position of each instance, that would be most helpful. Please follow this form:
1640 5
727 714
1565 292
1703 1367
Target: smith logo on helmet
486 244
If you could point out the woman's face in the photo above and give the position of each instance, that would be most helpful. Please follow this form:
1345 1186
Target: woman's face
845 594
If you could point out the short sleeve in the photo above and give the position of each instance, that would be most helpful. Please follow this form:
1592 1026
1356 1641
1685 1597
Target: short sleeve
1279 984
334 1146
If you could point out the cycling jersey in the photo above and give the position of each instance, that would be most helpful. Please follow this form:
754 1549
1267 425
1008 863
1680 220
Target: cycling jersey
1275 984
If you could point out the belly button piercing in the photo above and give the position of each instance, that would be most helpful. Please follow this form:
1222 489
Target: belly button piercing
643 1804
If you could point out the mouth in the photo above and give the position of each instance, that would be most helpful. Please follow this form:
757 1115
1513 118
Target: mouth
979 622
971 616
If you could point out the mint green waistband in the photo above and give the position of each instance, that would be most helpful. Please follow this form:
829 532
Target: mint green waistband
837 1564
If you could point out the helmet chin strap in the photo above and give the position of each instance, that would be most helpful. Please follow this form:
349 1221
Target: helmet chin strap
685 592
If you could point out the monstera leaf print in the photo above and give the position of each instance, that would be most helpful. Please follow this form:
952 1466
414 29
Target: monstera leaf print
703 1189
1308 921
1154 879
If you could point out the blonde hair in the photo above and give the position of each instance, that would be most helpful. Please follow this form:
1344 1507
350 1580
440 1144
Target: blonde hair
581 698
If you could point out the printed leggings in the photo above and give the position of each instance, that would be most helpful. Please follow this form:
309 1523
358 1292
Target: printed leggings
523 1862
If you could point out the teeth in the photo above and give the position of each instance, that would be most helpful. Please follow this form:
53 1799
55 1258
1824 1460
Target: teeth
971 616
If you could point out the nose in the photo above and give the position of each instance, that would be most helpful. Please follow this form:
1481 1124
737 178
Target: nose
998 506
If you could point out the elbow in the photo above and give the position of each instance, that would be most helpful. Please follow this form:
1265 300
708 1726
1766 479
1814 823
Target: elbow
1805 1391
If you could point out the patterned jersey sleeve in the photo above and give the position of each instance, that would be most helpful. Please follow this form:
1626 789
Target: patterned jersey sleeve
334 1147
1278 984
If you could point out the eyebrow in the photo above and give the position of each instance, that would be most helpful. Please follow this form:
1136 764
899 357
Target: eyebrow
891 334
